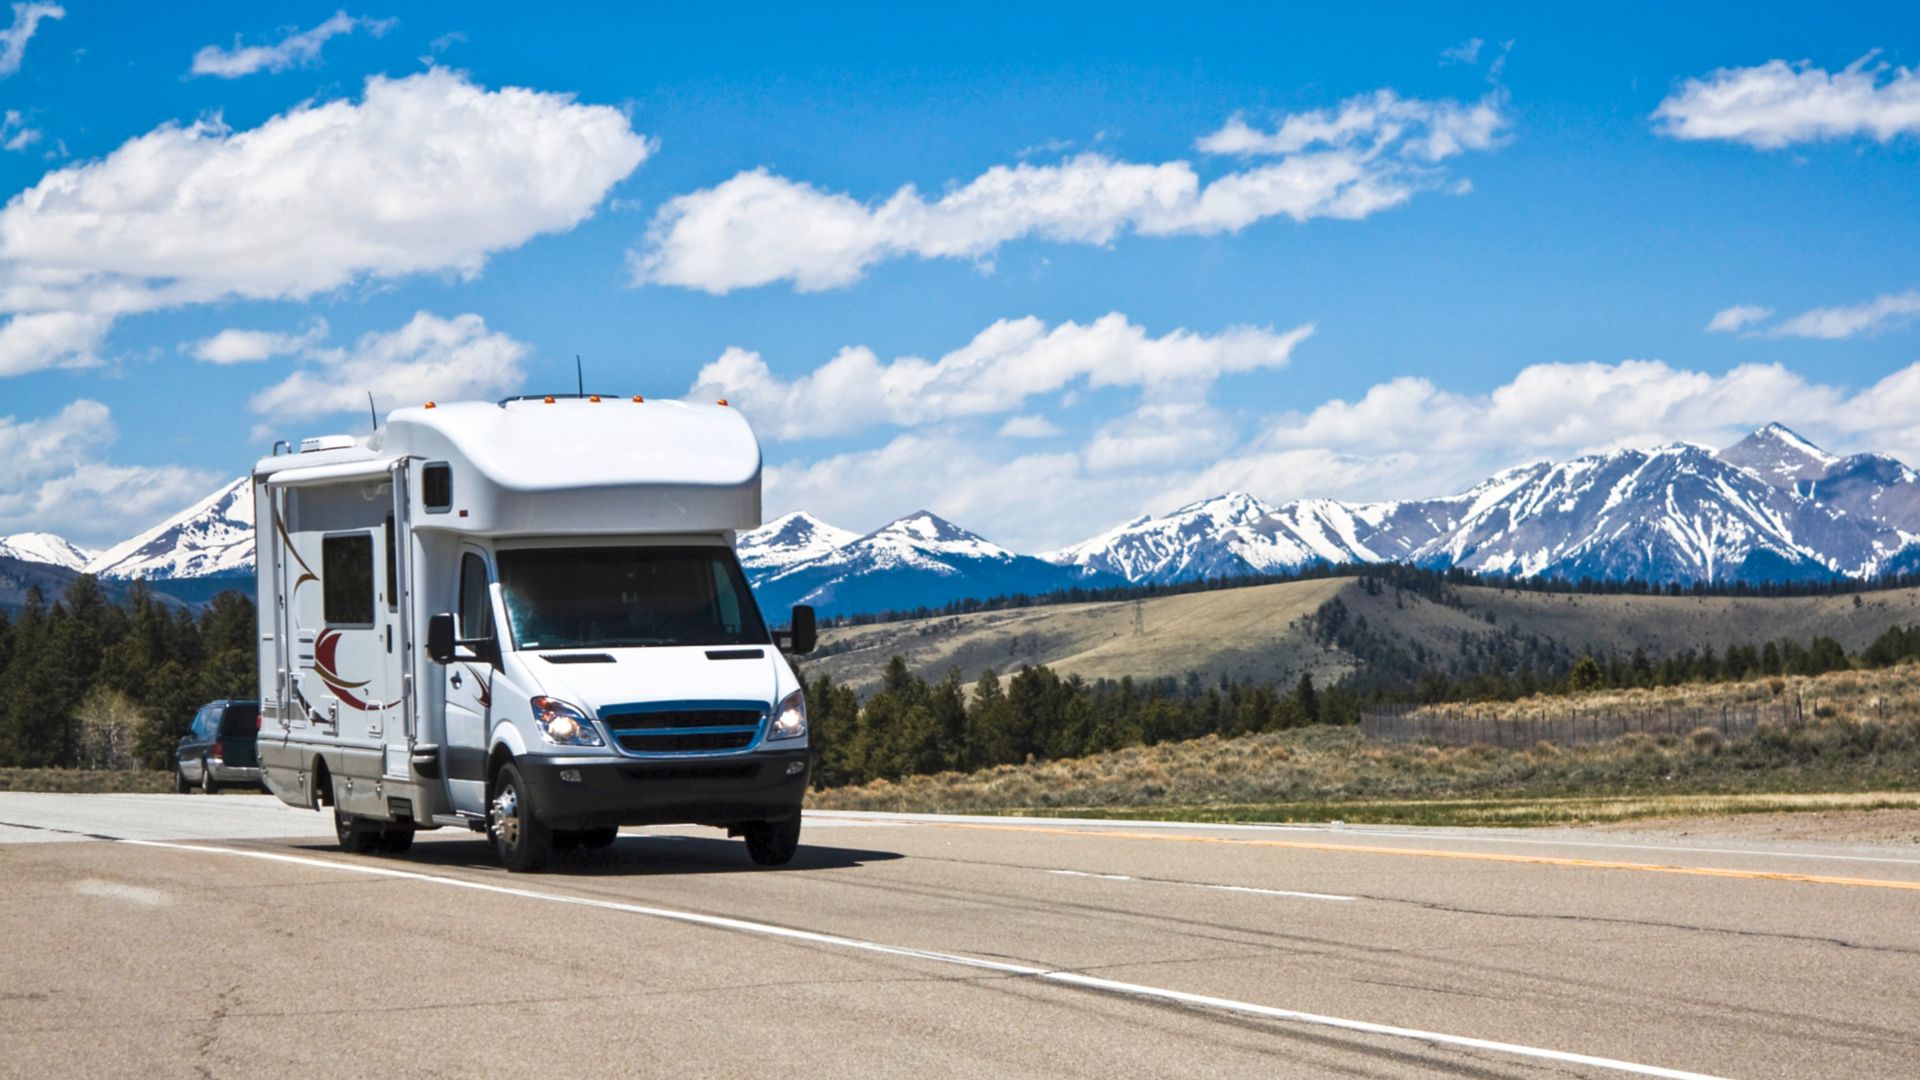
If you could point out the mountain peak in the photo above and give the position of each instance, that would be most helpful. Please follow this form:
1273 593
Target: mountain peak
43 547
213 536
925 525
1780 456
790 539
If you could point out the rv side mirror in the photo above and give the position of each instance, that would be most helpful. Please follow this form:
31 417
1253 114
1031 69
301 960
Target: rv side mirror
440 638
806 634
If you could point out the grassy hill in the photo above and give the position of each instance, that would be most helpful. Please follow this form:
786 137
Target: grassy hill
1273 633
1859 748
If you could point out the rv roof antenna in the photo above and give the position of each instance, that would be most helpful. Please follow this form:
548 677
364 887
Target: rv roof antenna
579 377
373 412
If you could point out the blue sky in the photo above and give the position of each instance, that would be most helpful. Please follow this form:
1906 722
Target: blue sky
1148 256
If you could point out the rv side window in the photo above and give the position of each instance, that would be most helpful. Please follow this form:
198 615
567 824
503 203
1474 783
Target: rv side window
393 569
436 488
476 615
346 573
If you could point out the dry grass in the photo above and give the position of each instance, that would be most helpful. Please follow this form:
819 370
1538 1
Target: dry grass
85 781
1853 746
1260 632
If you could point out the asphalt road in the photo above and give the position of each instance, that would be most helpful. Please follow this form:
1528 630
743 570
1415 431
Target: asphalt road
192 936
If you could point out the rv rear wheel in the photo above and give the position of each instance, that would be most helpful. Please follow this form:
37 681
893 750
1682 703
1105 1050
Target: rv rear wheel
396 839
523 842
773 843
357 835
599 838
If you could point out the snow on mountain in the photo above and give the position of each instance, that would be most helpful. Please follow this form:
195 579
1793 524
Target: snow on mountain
1674 513
921 560
784 541
1779 456
39 547
213 536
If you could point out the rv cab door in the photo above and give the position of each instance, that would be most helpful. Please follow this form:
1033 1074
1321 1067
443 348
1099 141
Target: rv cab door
469 688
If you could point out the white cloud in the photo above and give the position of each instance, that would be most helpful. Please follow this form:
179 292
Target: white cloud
427 359
296 49
426 173
998 371
1736 318
1467 52
1776 104
1835 323
53 478
14 132
1029 427
1372 153
44 339
13 40
1160 433
235 346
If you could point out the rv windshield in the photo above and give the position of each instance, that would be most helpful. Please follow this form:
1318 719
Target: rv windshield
615 597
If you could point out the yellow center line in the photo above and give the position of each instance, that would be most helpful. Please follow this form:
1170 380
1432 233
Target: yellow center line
1433 853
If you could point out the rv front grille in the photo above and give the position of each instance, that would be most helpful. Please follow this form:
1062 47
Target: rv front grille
686 730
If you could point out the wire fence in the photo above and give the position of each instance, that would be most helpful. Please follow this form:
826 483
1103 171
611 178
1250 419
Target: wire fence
1466 725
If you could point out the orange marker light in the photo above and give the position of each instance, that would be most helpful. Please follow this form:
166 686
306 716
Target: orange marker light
593 397
548 399
430 405
723 401
638 398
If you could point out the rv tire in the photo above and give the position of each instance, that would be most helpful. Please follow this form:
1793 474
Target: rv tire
520 838
773 843
357 835
396 839
602 837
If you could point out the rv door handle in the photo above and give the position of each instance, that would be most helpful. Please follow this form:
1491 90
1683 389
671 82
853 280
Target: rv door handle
455 680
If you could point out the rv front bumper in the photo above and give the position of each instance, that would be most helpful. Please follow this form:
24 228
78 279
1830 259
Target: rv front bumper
570 792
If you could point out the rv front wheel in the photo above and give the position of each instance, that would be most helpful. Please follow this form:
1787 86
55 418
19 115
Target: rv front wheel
357 835
523 842
396 839
773 843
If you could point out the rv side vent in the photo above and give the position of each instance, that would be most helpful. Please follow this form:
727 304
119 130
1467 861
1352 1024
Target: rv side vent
577 658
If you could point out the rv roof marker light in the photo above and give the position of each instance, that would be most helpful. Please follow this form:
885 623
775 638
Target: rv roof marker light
548 399
638 399
723 401
595 398
430 405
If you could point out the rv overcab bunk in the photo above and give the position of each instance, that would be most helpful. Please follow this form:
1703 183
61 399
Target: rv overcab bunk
526 618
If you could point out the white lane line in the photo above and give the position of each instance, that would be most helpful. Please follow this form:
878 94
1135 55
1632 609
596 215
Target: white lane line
1095 825
1065 978
1206 885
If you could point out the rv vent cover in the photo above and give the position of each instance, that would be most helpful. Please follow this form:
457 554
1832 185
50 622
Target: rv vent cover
325 442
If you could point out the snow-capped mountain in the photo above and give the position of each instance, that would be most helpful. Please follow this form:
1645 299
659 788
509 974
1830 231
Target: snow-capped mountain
1779 456
40 547
787 540
918 560
1773 507
1674 513
213 536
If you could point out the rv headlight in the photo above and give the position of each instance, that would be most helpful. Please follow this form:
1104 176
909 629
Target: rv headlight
563 725
790 720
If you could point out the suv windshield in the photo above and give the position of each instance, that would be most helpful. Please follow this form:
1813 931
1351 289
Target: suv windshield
610 597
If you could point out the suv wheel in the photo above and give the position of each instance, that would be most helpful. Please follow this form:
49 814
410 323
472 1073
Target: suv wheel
180 785
522 841
208 785
773 843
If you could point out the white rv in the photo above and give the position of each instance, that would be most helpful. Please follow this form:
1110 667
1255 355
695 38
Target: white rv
526 618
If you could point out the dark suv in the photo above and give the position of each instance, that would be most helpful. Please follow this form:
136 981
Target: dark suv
221 750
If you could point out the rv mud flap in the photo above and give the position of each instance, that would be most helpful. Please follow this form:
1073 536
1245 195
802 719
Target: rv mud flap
583 792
